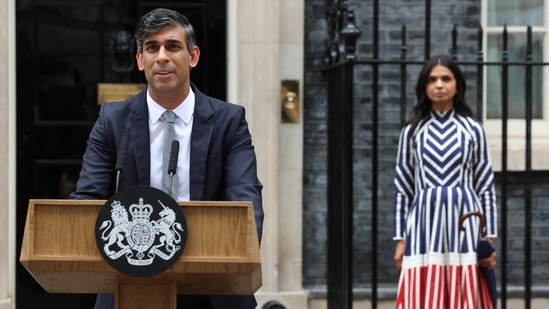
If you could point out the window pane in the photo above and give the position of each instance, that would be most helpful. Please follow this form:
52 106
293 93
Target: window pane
516 45
515 12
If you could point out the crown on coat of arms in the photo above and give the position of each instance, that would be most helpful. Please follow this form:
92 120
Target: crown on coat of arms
116 205
141 211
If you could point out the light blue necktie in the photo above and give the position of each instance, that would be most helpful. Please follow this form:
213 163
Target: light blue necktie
169 137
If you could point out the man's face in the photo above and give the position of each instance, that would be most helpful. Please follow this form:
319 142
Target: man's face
167 64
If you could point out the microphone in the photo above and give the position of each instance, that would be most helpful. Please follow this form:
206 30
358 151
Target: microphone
172 166
121 157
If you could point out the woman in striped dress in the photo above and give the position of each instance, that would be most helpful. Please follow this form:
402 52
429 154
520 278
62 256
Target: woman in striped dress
443 172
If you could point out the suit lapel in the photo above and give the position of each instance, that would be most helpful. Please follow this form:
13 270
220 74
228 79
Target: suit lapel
200 139
139 132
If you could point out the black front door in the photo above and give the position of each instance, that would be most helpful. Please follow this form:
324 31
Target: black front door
65 48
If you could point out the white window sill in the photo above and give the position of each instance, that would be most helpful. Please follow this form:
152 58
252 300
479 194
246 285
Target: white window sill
516 157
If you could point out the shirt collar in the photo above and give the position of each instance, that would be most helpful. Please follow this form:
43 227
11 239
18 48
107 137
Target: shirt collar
184 111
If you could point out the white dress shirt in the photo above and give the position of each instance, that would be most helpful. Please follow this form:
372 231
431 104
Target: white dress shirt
183 129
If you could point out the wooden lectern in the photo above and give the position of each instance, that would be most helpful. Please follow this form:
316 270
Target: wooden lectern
221 255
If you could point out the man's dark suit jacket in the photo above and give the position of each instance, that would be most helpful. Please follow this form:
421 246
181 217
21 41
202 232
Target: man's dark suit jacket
222 161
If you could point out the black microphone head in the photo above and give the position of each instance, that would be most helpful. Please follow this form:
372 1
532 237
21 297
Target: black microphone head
174 153
125 140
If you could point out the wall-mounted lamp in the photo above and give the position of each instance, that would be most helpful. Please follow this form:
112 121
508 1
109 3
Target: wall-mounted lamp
289 98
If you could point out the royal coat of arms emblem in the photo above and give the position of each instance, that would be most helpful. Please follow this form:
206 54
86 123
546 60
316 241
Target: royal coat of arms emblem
141 231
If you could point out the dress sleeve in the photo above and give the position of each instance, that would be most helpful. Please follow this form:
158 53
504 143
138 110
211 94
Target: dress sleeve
483 180
404 182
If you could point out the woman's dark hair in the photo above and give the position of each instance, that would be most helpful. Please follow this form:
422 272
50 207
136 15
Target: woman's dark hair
158 18
423 103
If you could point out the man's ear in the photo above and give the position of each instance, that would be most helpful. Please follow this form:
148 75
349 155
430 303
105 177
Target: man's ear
139 59
195 56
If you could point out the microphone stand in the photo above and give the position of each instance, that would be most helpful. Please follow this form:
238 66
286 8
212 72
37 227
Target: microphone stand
121 157
172 166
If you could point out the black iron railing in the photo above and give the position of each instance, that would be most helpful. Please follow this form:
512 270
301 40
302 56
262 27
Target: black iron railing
340 70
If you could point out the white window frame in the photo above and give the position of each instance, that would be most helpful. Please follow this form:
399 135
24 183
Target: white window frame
516 128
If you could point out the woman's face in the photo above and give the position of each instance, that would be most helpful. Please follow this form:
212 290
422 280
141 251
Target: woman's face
441 88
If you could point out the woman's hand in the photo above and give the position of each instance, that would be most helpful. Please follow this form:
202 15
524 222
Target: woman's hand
399 253
489 262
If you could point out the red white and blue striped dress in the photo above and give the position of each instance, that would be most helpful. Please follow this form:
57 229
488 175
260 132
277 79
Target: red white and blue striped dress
443 171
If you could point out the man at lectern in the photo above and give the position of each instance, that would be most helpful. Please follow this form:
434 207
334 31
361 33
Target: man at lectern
216 157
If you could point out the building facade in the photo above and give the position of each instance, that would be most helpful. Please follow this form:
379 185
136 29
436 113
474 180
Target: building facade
268 43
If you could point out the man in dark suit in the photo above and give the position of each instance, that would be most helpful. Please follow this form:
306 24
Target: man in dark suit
216 158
